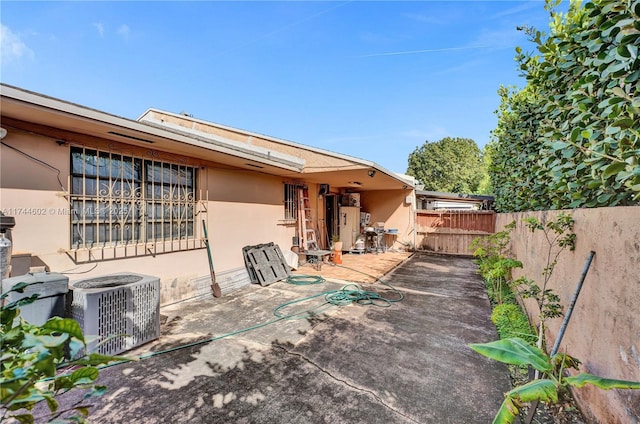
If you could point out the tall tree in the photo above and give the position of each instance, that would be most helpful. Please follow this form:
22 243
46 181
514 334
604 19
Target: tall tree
571 137
452 165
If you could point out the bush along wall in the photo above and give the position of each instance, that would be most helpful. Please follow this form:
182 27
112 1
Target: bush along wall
495 263
571 137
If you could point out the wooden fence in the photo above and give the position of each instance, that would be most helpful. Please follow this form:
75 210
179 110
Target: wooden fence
451 231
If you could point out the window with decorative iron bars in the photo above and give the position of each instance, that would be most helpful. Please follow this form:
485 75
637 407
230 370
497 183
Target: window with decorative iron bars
291 201
120 199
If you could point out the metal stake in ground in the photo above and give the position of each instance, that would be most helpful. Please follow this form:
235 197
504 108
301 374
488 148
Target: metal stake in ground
563 327
215 287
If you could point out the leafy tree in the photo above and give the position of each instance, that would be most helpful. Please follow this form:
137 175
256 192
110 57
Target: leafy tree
571 137
453 165
518 181
485 186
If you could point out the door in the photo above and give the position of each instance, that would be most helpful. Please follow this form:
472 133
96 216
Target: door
331 217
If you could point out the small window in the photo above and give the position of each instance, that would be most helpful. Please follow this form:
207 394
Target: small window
291 202
118 199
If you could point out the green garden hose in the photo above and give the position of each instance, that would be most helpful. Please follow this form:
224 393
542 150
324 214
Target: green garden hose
304 280
351 293
348 294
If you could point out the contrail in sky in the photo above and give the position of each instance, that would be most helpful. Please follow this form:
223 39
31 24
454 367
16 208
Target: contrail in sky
446 49
287 26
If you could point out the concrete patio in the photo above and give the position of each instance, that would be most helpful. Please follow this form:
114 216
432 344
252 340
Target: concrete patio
231 360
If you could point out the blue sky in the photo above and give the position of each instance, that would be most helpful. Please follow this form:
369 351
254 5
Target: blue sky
373 79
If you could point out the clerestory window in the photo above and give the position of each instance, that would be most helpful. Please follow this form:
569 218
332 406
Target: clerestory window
119 199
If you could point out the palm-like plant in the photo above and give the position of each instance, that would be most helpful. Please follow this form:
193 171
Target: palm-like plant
516 351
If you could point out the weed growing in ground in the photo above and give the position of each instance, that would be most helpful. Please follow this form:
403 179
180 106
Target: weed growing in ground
495 263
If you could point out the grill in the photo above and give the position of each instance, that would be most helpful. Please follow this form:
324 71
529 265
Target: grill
121 310
375 235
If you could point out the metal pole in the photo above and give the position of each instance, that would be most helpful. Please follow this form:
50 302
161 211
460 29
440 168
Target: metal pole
563 327
567 316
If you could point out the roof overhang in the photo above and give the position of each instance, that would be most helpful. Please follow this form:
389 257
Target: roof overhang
51 117
18 105
353 173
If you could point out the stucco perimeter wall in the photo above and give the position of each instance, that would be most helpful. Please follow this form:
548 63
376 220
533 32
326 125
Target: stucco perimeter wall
604 331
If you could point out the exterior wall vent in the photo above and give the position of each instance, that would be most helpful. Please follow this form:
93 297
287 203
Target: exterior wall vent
121 311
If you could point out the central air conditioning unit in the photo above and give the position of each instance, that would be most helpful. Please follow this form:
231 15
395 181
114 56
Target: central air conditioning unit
121 311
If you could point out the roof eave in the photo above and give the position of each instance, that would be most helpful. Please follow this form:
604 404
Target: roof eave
37 100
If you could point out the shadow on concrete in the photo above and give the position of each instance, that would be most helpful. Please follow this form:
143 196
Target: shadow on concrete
408 363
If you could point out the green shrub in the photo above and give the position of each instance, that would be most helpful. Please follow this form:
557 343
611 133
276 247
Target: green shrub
570 138
510 321
495 264
32 357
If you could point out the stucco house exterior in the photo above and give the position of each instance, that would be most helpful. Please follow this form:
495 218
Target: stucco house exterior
93 193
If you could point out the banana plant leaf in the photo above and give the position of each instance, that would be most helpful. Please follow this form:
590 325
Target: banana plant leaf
543 390
583 379
514 351
507 413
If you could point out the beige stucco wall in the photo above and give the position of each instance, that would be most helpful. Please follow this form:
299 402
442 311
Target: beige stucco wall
313 159
604 331
245 208
242 208
391 207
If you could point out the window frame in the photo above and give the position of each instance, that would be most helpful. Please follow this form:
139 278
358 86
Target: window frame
291 201
119 199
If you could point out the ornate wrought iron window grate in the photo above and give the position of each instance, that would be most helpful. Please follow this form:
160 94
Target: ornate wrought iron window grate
119 199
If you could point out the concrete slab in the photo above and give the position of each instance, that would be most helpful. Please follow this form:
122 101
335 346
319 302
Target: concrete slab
406 363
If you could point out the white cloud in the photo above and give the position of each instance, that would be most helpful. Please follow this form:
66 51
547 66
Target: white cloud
12 47
445 49
99 26
124 31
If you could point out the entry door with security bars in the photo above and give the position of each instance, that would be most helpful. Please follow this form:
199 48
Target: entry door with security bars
120 199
